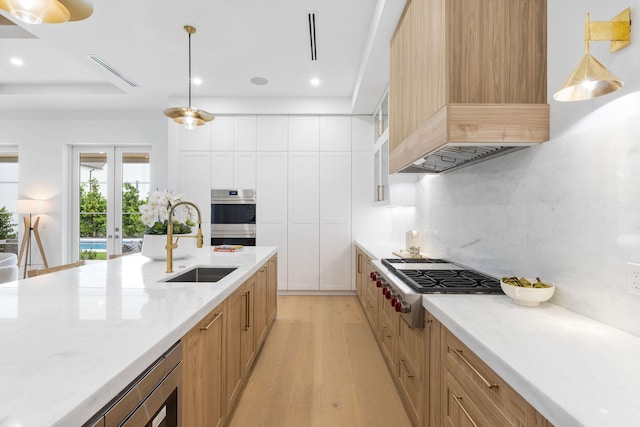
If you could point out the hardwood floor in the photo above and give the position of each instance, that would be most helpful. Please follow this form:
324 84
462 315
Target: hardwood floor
320 367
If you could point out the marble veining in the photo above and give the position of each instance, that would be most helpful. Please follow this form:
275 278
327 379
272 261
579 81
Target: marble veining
72 340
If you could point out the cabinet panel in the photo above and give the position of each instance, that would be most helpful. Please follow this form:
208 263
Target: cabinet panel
222 169
335 133
335 188
304 177
222 128
244 173
260 306
198 139
335 257
303 256
248 340
271 188
273 133
304 133
235 323
195 183
272 289
245 133
275 235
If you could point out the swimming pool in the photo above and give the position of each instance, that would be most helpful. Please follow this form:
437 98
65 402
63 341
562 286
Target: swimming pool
93 244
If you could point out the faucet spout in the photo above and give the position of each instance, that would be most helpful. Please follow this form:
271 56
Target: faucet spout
171 245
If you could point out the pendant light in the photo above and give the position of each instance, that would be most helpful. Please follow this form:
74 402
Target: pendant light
48 11
590 78
189 117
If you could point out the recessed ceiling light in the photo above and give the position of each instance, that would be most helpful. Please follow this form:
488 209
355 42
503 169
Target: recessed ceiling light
315 81
197 81
17 61
260 81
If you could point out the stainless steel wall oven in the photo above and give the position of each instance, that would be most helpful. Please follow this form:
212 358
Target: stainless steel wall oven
233 217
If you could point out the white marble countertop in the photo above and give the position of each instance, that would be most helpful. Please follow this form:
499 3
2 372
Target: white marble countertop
574 370
71 340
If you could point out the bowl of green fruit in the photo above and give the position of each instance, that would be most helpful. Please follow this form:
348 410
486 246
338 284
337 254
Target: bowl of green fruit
525 292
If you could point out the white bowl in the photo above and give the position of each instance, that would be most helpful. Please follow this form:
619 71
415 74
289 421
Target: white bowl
529 297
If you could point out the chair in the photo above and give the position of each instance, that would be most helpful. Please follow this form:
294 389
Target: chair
8 259
33 273
8 273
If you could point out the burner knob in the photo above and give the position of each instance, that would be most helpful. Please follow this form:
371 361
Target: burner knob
384 291
389 294
379 283
402 307
373 276
394 301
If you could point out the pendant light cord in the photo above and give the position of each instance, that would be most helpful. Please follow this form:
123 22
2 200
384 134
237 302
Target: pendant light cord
189 70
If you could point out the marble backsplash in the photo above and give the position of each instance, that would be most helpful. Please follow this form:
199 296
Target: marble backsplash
567 211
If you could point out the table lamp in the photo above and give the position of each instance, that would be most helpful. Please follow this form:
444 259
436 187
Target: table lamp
30 207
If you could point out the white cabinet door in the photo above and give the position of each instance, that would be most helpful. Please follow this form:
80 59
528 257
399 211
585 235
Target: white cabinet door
194 183
271 190
362 133
335 133
303 230
222 133
222 169
273 133
244 173
245 135
304 133
335 221
271 216
197 139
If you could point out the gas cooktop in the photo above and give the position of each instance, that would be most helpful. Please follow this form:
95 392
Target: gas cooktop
427 276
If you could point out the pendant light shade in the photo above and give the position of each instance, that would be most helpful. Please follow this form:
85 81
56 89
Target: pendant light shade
48 11
189 117
589 79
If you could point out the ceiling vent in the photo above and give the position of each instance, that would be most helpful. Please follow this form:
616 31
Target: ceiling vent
112 70
312 36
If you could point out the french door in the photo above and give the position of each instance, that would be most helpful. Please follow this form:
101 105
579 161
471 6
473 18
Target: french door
109 183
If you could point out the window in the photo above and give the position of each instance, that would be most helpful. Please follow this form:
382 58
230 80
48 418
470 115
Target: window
8 197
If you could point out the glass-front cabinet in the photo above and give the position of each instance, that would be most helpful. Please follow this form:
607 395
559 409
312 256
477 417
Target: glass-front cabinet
397 189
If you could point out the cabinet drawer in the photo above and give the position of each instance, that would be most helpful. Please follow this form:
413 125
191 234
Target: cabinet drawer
410 339
499 402
410 377
388 337
459 409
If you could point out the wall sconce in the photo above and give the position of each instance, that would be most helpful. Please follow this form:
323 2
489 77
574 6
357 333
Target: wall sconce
590 78
48 11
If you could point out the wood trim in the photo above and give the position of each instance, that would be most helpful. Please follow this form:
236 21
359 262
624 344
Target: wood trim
476 124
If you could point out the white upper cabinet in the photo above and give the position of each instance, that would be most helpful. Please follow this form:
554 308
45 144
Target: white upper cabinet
244 170
245 135
222 133
271 191
304 133
198 139
222 169
335 133
362 133
272 133
193 172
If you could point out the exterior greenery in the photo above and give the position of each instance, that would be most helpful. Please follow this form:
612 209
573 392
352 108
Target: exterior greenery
7 226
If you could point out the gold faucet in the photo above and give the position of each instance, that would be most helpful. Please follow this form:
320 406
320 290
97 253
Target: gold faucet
170 244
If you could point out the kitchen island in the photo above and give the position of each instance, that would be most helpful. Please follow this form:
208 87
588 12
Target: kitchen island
74 339
573 370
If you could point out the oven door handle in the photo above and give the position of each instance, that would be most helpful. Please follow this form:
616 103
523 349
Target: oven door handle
152 407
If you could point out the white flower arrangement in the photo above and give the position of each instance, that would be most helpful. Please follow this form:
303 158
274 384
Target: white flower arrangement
155 214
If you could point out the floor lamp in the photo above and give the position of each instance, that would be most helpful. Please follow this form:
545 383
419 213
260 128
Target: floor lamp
30 207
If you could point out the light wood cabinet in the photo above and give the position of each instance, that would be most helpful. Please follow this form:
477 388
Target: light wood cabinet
409 369
475 395
202 365
272 290
467 71
260 305
234 332
247 332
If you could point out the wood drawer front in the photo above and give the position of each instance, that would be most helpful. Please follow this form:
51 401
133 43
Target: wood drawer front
410 377
459 409
499 402
372 304
388 338
411 341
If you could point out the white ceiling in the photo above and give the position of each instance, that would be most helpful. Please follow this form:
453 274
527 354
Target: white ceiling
235 41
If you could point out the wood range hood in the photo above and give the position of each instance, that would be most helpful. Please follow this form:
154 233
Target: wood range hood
459 135
468 82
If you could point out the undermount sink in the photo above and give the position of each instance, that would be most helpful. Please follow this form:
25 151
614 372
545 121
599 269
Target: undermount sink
203 274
